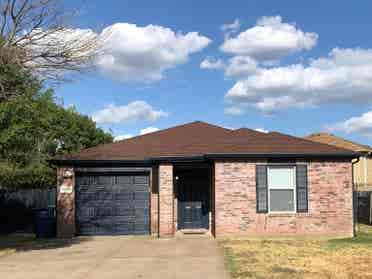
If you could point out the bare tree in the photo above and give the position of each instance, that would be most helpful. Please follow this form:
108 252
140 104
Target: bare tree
34 35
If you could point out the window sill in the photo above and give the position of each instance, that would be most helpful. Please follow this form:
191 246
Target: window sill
282 214
287 214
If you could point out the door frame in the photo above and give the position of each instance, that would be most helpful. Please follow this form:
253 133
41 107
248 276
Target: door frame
206 224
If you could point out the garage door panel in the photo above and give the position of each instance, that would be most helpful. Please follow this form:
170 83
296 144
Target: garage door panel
104 180
140 228
141 180
124 227
87 228
83 181
141 213
124 212
113 204
86 213
123 196
123 180
141 196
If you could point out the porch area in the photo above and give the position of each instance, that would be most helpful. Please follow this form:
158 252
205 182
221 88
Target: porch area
185 199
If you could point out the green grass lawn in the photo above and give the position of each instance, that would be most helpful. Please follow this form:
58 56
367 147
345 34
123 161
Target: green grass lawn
279 259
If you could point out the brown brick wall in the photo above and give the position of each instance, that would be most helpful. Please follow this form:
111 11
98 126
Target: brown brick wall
166 213
65 204
330 202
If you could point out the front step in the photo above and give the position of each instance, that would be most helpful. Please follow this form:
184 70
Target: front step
193 232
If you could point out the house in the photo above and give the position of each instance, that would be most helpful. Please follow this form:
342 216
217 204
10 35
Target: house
201 177
362 168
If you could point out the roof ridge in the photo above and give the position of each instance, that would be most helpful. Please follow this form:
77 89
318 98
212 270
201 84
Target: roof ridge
174 127
246 128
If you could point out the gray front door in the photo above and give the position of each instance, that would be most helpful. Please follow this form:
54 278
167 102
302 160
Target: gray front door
108 204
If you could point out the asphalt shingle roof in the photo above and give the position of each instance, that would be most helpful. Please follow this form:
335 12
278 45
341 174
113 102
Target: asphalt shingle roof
200 138
339 142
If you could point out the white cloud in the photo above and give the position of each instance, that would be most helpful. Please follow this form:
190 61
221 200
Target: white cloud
210 63
270 40
262 130
359 124
134 111
148 130
138 53
230 28
241 66
122 137
141 132
345 76
234 110
237 67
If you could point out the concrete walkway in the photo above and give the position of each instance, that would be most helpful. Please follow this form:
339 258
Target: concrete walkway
189 257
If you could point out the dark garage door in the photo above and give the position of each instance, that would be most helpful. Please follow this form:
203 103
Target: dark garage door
112 204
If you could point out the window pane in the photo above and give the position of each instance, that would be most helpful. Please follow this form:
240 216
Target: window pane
281 200
280 177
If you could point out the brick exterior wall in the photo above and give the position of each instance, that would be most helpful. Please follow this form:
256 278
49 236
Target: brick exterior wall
166 212
233 202
330 202
65 203
154 201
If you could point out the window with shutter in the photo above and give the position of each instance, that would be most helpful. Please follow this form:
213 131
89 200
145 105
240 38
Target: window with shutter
281 188
261 189
302 196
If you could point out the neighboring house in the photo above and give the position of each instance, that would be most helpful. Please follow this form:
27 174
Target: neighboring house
203 177
362 168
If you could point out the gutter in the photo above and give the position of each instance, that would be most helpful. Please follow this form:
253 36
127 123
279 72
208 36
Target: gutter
72 162
199 158
281 155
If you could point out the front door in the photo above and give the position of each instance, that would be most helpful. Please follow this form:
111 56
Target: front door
193 200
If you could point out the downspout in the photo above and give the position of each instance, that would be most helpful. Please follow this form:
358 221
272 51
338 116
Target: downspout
355 210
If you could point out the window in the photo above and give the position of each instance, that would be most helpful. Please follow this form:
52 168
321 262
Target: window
281 181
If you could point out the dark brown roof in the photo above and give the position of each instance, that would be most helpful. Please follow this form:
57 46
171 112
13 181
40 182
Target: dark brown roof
339 142
199 139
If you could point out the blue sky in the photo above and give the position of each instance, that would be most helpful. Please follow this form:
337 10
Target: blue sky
297 67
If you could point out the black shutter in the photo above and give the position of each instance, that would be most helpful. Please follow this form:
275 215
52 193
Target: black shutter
261 189
301 188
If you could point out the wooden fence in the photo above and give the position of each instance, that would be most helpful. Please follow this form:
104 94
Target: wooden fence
33 198
364 207
17 209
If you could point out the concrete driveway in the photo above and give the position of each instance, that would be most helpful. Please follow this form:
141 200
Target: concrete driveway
118 257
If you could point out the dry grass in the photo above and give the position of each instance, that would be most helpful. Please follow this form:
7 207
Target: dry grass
277 259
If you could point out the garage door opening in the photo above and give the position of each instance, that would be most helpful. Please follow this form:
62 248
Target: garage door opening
112 203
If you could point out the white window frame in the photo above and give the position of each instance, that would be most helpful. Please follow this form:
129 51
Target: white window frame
282 187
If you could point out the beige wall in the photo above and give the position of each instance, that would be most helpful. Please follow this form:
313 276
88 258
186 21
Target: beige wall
363 174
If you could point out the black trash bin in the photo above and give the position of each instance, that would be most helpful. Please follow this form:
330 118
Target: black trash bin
45 223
